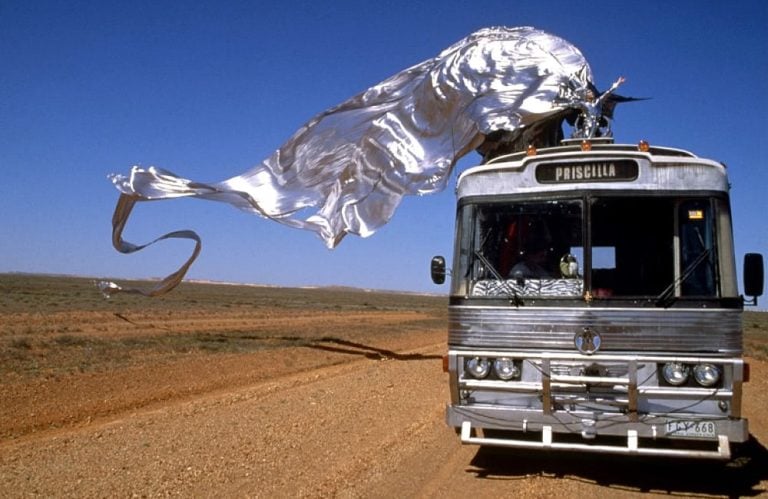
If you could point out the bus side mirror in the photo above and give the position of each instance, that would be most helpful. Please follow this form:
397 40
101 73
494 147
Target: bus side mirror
437 268
753 276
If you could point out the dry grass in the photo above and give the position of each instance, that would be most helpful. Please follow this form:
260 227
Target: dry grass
53 325
47 294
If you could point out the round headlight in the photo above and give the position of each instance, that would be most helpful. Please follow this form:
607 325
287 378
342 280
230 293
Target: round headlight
478 367
706 374
505 368
675 373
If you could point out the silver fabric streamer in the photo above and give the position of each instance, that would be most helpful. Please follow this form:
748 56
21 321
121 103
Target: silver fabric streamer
350 166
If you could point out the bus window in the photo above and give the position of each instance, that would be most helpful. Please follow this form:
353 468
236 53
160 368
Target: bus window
697 258
632 246
603 271
522 248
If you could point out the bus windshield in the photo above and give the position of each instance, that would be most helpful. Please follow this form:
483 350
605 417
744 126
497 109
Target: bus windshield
593 246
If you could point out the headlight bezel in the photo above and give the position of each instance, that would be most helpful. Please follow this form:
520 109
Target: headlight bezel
478 367
700 375
506 368
675 373
498 368
704 369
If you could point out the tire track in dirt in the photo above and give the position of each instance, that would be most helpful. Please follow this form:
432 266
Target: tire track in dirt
364 428
79 399
275 437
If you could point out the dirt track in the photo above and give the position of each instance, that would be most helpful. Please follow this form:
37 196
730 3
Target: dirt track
350 413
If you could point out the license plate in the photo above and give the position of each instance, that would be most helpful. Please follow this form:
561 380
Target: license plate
691 429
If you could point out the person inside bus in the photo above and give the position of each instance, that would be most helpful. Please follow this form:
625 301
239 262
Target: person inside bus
534 262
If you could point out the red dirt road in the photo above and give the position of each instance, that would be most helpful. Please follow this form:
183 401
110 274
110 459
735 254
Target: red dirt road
351 413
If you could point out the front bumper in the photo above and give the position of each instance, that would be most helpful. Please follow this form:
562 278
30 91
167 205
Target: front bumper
608 413
625 437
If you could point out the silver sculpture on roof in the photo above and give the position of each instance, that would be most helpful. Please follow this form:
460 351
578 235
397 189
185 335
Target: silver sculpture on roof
594 109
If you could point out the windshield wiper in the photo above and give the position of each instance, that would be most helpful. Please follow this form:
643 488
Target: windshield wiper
511 293
666 297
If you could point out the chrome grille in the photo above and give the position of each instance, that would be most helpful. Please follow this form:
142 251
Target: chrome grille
627 330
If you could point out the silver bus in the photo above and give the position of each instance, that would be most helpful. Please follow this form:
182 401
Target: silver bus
594 303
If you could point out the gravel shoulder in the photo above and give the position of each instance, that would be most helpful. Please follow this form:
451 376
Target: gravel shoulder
305 403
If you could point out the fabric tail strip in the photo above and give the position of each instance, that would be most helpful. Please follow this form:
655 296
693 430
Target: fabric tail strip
123 210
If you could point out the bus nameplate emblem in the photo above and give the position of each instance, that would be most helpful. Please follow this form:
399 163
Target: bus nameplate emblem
587 341
618 170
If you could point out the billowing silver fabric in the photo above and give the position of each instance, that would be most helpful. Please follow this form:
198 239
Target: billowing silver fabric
346 170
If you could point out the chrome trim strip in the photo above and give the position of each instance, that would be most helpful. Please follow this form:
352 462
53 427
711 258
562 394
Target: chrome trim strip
545 387
576 357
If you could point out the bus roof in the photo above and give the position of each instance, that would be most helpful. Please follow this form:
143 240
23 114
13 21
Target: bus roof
603 166
575 145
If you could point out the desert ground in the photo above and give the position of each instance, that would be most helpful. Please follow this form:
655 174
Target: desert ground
245 391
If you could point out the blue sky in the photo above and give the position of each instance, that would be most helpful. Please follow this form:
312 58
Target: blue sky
208 89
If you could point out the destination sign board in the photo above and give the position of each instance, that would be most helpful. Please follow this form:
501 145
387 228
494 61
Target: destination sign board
589 171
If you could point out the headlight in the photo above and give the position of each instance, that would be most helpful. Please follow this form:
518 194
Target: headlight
505 368
478 367
706 374
675 373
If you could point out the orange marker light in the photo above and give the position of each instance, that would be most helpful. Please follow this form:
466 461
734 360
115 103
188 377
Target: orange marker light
586 145
531 151
643 146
